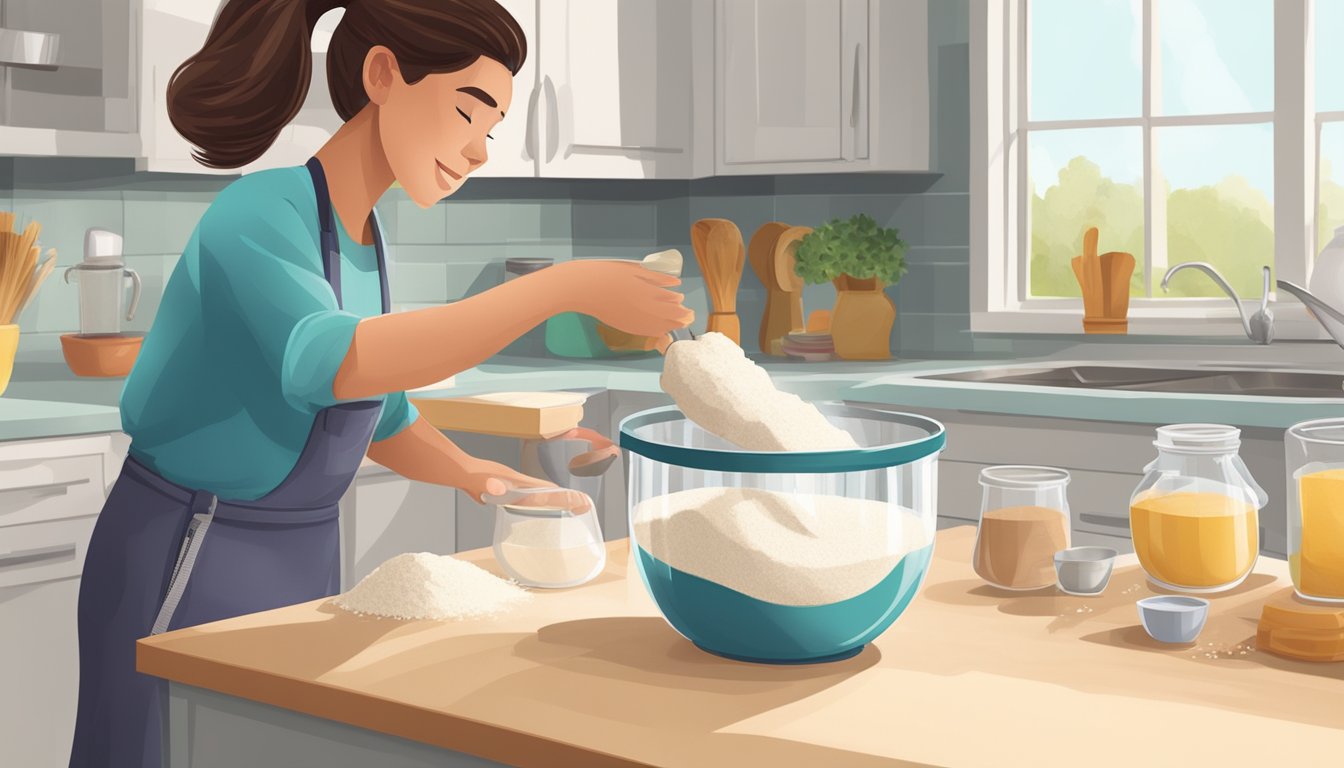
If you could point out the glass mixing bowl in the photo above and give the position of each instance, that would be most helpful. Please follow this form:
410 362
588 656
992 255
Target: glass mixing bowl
783 557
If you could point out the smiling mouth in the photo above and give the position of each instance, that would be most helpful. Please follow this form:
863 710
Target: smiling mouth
447 172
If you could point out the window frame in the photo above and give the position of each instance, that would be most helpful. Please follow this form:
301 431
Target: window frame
999 192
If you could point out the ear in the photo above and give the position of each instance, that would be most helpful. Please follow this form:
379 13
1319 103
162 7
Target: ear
381 74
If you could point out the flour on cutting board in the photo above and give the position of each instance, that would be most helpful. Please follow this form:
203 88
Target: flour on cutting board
726 394
421 585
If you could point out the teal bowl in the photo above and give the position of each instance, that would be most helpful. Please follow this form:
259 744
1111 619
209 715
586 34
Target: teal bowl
896 464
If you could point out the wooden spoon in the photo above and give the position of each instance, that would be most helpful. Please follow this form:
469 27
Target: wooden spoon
721 255
761 254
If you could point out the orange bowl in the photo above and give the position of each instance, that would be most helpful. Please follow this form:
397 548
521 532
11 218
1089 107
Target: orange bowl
101 356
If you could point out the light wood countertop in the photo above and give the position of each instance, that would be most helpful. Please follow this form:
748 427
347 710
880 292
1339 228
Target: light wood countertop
968 676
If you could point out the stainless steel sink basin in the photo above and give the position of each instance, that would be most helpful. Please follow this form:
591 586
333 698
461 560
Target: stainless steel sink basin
1201 381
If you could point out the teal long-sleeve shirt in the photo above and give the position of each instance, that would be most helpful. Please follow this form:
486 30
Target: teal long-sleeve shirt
247 342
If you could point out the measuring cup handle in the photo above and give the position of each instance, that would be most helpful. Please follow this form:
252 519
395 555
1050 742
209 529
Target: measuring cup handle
135 291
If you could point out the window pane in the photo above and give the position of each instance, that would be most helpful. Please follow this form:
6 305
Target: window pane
1217 56
1080 179
1330 215
1085 59
1220 195
1329 55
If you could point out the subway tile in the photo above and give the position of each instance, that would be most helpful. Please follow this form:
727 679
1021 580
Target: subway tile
937 254
505 221
418 281
599 222
160 222
412 224
66 216
935 288
947 219
903 212
57 309
934 333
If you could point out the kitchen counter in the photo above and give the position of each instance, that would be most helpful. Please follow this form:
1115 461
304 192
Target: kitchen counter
594 677
29 419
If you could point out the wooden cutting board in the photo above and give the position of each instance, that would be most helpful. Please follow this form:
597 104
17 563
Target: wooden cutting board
527 415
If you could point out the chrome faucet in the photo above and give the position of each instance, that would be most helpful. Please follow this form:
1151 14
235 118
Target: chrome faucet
1259 327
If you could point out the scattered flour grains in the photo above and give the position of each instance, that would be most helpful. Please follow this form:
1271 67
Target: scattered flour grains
783 548
728 395
425 586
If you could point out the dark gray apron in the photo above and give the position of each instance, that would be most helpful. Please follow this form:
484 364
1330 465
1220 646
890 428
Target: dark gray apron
163 556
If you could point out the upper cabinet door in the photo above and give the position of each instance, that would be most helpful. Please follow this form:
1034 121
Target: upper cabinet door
616 87
799 85
67 81
781 80
174 30
512 151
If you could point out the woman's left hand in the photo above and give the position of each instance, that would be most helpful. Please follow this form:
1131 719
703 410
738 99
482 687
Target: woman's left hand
481 477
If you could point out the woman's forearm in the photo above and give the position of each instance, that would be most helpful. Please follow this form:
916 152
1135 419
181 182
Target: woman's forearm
406 350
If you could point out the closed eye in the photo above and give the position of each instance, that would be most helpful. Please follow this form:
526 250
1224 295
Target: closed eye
466 117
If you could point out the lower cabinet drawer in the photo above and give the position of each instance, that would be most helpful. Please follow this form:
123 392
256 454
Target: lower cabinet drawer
39 490
31 554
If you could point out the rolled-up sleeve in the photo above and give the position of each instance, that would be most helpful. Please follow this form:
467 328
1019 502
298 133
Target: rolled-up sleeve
266 301
398 414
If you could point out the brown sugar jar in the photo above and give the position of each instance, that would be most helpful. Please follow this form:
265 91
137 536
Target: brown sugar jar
1024 521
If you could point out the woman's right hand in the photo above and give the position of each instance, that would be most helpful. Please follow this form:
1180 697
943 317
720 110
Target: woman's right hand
624 295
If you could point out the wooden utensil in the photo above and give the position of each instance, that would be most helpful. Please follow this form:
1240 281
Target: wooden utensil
721 254
775 319
1117 267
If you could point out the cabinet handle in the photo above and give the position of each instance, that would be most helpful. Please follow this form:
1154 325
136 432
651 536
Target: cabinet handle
28 49
47 489
530 143
624 148
854 101
1105 520
552 120
36 555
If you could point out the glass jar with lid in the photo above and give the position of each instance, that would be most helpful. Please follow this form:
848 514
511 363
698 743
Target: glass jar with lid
1315 463
1195 515
1024 521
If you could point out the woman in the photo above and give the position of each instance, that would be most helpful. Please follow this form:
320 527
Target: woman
272 367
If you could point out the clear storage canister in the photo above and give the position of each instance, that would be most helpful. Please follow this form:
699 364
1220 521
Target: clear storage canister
1195 516
1315 463
1024 521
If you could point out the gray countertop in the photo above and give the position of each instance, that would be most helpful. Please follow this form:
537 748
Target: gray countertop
45 400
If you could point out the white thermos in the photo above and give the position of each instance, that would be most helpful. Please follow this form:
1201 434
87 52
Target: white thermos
103 278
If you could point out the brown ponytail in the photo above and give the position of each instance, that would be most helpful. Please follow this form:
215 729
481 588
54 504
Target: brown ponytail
232 98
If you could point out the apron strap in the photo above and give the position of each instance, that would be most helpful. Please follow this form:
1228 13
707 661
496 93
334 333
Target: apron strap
186 558
331 242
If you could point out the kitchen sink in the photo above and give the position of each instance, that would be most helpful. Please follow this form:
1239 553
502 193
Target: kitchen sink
1201 381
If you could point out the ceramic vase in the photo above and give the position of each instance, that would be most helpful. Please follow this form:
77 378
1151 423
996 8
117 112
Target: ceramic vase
862 320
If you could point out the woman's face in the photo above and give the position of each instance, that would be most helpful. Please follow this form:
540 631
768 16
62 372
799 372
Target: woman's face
437 131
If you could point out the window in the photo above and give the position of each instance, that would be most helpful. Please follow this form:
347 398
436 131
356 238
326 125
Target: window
1181 129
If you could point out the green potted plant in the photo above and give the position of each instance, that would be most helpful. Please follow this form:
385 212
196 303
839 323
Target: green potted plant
861 259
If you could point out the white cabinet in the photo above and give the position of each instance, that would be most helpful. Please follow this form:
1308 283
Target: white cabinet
612 89
51 492
384 514
511 150
821 86
172 31
67 82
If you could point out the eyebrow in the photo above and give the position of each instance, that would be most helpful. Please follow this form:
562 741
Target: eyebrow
488 100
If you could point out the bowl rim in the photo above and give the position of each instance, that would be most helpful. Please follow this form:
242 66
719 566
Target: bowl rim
1181 603
778 462
1105 554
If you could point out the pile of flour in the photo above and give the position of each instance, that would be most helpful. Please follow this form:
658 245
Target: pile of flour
718 388
426 586
784 548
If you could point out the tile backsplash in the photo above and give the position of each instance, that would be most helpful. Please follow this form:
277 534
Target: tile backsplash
458 248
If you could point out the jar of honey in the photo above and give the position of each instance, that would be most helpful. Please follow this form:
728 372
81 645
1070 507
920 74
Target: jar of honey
1195 517
1315 463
